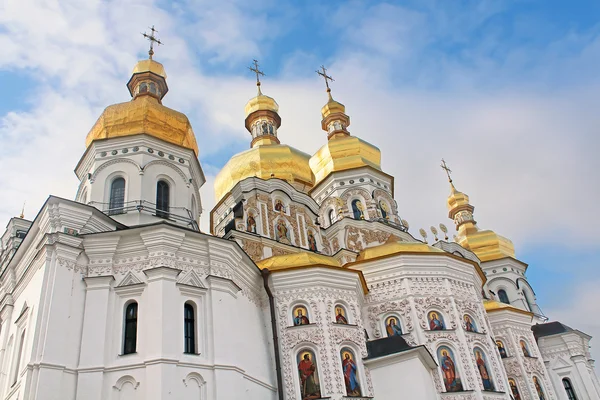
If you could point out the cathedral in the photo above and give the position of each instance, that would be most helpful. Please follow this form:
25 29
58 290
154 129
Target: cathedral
308 285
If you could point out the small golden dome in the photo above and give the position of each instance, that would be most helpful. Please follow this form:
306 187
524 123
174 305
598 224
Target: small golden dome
261 103
341 153
265 162
332 107
297 260
144 115
149 66
395 247
456 198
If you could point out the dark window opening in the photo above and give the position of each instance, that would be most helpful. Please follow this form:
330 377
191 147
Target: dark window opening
117 197
503 296
130 340
569 389
162 199
189 329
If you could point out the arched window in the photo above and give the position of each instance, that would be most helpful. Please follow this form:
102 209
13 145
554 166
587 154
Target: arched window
162 199
117 197
189 329
130 337
503 296
152 88
143 88
569 389
18 360
331 216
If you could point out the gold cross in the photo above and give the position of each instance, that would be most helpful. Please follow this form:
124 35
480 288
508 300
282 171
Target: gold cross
448 170
152 38
323 73
257 71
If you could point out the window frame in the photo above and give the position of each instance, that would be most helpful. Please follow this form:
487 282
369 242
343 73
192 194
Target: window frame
163 189
570 390
116 206
128 324
190 341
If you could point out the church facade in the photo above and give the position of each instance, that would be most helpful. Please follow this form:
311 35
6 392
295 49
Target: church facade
308 286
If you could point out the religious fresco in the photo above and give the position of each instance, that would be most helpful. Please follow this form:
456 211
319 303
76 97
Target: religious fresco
436 321
282 233
392 326
251 223
538 388
514 389
357 209
469 323
450 373
340 315
501 349
310 387
300 316
385 212
350 370
312 242
483 368
279 206
525 348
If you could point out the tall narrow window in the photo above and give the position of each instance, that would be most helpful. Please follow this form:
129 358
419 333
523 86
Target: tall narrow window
569 389
331 216
130 336
503 296
18 360
189 329
117 196
162 199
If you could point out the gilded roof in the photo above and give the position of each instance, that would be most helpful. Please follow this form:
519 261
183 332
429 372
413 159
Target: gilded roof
260 103
144 115
265 162
395 248
297 260
343 152
486 244
149 66
493 305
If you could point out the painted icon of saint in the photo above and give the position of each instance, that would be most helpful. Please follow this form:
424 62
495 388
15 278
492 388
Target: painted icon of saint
436 323
309 382
279 206
340 317
452 380
312 242
357 209
514 389
281 232
384 209
300 317
469 325
483 370
392 328
538 388
251 223
525 349
350 374
501 349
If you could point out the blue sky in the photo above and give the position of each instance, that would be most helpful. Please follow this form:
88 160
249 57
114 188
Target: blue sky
506 91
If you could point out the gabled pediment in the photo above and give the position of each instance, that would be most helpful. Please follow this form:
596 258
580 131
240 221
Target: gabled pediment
129 279
192 279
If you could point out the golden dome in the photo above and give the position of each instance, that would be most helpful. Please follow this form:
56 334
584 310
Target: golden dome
261 103
265 162
297 260
149 66
343 152
332 107
492 305
144 115
395 247
486 244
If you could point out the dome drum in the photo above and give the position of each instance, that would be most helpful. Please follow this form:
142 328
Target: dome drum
335 123
142 81
266 114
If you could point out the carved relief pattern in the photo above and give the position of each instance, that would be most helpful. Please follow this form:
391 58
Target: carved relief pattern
335 245
253 249
426 286
424 304
357 238
385 291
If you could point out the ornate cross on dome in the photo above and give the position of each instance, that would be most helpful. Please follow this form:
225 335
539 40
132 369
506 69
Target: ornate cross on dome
448 170
257 71
153 39
323 73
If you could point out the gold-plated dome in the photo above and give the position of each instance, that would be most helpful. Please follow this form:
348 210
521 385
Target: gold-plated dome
492 306
332 107
265 162
144 115
486 244
261 103
297 260
343 152
395 247
149 66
